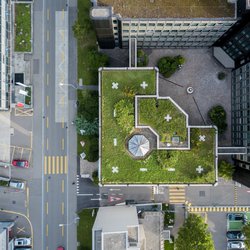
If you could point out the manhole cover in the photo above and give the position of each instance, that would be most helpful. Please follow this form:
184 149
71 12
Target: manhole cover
190 90
13 202
202 193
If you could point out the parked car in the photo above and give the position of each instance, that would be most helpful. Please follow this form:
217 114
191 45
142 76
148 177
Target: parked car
23 248
20 163
22 242
238 216
236 245
235 235
17 184
60 248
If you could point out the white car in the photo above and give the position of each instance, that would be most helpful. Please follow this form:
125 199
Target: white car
17 184
236 245
22 242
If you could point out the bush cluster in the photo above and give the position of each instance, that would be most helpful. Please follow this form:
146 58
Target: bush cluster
218 116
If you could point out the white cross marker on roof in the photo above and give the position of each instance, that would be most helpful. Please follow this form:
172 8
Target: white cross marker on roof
115 85
144 85
167 117
202 138
115 170
199 169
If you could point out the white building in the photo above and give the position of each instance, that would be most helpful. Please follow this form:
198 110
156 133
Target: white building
6 241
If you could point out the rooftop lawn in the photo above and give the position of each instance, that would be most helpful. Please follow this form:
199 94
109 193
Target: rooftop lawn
152 112
171 9
23 27
159 163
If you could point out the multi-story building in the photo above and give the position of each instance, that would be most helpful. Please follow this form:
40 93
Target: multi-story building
6 235
173 25
5 54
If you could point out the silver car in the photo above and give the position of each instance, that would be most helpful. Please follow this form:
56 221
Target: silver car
236 245
22 242
17 184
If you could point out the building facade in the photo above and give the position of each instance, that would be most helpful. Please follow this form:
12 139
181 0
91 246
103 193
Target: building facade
5 30
188 31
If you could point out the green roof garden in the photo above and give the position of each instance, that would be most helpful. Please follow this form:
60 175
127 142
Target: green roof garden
122 92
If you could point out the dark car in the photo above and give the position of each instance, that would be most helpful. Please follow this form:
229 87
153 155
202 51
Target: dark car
238 217
235 235
20 163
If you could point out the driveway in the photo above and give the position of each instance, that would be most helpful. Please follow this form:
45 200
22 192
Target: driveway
200 72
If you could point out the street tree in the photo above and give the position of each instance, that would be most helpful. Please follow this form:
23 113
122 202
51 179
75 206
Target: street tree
226 170
246 232
86 127
194 235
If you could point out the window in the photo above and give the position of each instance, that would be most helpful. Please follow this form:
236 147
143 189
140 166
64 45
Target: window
169 24
125 24
143 24
160 24
151 24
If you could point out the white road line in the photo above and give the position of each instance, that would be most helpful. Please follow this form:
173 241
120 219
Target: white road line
86 194
98 199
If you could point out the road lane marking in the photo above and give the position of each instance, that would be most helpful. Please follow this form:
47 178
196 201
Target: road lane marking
47 248
47 144
57 164
47 101
53 165
47 230
47 79
62 208
47 35
63 13
65 164
49 169
48 14
62 186
47 186
47 57
62 143
61 164
28 201
62 230
47 208
45 165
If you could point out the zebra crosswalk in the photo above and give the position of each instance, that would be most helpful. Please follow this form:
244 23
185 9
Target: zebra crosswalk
177 195
55 165
197 209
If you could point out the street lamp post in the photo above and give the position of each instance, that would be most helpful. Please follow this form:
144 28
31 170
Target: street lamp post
73 222
68 84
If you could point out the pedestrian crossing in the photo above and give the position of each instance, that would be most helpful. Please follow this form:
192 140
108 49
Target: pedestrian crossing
55 165
196 209
177 195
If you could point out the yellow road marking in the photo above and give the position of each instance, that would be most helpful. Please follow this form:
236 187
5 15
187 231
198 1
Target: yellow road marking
47 79
57 164
61 165
65 164
53 165
47 100
48 14
47 186
62 143
28 201
47 144
62 208
47 230
45 164
47 57
47 208
47 35
63 13
62 230
62 186
63 122
47 248
49 167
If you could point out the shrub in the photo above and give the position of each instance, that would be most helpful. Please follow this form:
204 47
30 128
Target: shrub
89 127
218 116
95 177
221 75
226 170
142 58
168 65
125 115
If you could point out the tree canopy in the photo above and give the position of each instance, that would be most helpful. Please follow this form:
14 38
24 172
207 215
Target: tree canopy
85 127
218 116
246 232
194 235
226 170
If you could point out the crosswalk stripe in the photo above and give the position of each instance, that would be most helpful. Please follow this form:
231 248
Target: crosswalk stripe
45 164
61 164
65 164
53 165
57 164
49 166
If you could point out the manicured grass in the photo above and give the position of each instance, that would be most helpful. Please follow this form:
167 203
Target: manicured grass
84 229
22 27
158 163
152 113
86 71
168 246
